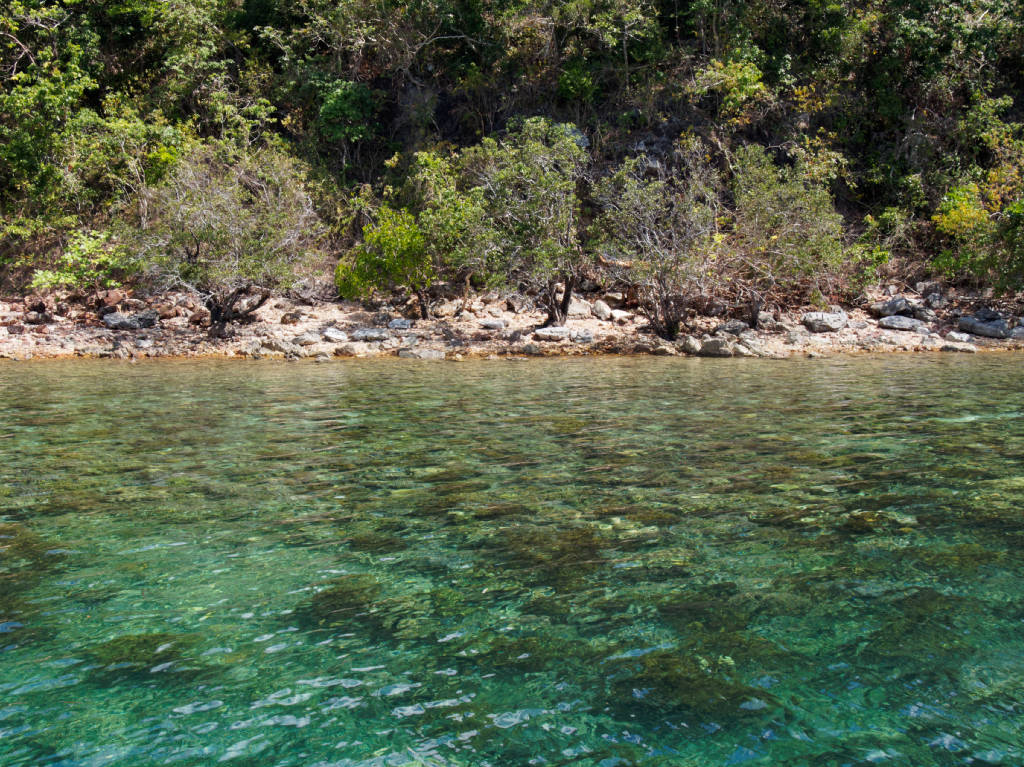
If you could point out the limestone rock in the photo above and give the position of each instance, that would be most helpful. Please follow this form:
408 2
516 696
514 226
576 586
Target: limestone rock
621 316
400 324
717 347
732 327
691 345
579 308
996 328
492 324
278 345
552 333
825 322
118 321
370 334
897 305
334 335
899 322
421 354
601 310
306 339
448 309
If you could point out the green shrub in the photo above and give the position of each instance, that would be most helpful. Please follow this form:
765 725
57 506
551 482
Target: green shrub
787 235
659 233
393 253
227 225
89 260
348 112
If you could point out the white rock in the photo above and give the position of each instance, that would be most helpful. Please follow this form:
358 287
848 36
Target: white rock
552 333
334 335
601 310
621 316
579 308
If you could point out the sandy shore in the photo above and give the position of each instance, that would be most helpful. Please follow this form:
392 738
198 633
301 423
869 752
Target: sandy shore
483 327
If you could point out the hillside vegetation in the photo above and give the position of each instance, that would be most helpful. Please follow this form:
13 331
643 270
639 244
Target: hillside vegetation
698 152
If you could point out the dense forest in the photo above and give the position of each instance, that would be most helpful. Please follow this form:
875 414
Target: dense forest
698 151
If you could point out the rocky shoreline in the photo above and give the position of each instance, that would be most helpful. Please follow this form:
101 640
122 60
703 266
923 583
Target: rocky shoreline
112 324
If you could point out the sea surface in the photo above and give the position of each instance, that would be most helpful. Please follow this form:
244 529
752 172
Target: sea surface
603 562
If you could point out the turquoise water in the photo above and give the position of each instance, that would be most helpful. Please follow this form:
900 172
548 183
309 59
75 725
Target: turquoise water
573 562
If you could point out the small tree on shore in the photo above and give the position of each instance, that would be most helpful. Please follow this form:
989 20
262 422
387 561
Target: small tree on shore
787 235
658 233
529 186
444 232
229 227
393 254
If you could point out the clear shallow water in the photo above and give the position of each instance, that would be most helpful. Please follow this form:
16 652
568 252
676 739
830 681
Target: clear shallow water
585 562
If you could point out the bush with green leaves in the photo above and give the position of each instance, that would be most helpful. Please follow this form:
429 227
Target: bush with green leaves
89 260
787 237
444 232
657 233
229 226
393 254
983 245
528 182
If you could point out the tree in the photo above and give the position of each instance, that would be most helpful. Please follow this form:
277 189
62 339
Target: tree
443 232
393 253
787 236
659 232
528 182
227 226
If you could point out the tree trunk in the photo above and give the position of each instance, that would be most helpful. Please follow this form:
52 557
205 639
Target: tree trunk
558 310
424 301
755 310
222 308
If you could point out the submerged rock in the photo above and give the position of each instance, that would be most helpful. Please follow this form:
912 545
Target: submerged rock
140 651
345 598
672 683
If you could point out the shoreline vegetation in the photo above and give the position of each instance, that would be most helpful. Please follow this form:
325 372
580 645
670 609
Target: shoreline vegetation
709 162
112 324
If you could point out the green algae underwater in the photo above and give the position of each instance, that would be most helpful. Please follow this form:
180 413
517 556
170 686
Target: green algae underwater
556 562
